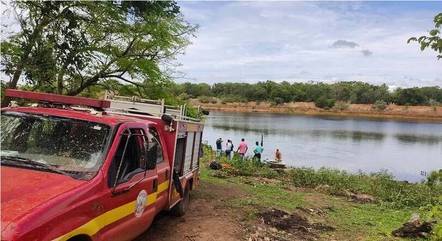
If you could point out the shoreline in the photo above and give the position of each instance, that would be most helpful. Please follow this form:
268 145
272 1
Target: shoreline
392 112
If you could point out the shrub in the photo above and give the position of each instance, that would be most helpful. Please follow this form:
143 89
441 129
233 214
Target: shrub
380 184
207 99
277 101
341 105
379 105
434 104
183 96
324 103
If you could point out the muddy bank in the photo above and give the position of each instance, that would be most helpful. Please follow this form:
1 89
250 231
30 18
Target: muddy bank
430 113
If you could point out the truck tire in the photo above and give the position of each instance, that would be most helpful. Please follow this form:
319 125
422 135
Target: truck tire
180 208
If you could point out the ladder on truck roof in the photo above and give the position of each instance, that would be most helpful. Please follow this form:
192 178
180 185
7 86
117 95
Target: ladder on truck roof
138 106
113 104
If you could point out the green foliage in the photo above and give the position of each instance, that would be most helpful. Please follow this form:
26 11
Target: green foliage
324 102
323 94
248 167
433 40
380 105
381 185
67 47
232 99
207 99
435 178
341 105
434 213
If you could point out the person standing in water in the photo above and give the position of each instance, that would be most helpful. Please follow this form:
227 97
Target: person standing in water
258 151
242 148
229 149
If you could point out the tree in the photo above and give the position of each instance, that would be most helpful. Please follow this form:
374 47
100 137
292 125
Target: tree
434 40
67 47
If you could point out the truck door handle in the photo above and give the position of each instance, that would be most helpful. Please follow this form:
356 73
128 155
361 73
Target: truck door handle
167 174
155 185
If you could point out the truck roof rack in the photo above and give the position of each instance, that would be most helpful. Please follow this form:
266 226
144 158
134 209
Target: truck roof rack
57 99
122 105
138 106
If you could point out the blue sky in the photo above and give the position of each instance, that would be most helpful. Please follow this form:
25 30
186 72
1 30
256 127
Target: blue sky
252 41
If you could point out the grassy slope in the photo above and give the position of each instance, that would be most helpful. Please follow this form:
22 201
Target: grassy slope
352 221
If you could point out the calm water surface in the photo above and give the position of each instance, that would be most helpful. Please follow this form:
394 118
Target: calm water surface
405 149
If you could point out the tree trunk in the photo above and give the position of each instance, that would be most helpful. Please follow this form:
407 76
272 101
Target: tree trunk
60 81
24 58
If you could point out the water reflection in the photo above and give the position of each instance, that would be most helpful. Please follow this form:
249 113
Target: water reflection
336 134
413 139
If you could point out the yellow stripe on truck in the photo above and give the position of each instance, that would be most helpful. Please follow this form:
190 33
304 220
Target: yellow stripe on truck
95 225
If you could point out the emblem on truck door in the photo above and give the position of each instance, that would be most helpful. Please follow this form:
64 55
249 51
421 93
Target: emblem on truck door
141 202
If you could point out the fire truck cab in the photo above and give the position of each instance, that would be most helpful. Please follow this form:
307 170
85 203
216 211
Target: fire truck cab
78 169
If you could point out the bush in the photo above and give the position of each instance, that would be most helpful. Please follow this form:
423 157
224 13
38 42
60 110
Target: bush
277 101
341 105
380 184
207 99
232 99
183 96
324 103
379 105
434 104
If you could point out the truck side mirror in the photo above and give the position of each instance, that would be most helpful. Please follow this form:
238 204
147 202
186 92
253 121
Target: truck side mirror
151 157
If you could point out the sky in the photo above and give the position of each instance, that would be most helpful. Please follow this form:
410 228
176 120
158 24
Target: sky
251 41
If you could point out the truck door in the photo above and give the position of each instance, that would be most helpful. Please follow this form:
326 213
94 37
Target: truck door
133 183
163 169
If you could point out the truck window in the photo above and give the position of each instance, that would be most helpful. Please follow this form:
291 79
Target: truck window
129 158
73 147
155 145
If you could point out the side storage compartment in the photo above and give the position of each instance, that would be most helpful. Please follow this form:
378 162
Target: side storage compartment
186 164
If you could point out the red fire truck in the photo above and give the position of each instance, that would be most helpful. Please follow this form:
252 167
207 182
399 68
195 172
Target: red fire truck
78 169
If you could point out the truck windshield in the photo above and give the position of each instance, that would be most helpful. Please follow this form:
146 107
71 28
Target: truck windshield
48 143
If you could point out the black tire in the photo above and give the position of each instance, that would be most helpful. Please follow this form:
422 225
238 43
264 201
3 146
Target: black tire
180 208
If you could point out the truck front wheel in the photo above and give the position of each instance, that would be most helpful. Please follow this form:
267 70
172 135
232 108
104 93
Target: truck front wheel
181 207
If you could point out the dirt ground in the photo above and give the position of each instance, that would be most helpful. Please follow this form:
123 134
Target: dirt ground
210 218
207 220
309 108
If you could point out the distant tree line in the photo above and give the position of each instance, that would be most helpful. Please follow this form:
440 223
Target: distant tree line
324 95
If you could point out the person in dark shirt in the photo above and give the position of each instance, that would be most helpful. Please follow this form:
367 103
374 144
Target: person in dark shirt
219 147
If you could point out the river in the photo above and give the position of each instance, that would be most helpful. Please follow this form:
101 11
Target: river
408 150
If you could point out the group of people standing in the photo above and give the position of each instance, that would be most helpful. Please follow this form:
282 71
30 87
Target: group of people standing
241 149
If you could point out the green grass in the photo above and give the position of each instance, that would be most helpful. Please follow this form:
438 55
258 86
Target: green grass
373 222
381 185
263 188
352 221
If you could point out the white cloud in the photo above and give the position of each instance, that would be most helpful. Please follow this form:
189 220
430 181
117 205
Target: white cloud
344 44
256 41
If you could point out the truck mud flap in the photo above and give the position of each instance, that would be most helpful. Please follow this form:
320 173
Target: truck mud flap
177 184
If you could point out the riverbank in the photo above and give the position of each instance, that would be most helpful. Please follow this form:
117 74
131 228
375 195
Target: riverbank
392 111
318 205
254 203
